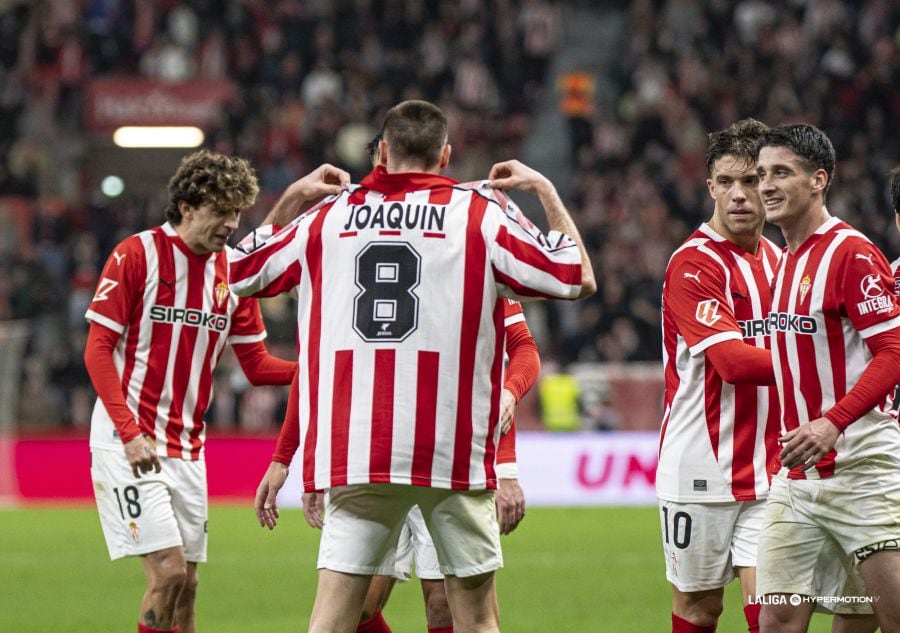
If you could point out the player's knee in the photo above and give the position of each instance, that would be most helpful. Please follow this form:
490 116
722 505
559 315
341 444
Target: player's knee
170 577
775 620
702 608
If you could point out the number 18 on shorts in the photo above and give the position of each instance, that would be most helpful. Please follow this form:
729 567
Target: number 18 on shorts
153 512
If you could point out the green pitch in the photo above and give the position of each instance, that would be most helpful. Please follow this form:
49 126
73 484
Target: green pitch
567 570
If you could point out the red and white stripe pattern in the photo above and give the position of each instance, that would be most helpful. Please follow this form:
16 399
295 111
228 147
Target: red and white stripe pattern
175 313
718 440
829 296
422 407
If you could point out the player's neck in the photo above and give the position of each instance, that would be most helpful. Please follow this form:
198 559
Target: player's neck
748 241
189 240
411 167
802 228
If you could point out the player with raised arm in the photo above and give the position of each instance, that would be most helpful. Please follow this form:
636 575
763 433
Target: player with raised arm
159 322
415 541
401 358
720 420
835 330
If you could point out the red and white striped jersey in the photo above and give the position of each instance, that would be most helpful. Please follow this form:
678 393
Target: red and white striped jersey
717 440
400 329
175 313
829 296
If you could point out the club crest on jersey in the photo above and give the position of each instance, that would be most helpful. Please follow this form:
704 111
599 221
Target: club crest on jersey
874 297
708 312
805 285
135 533
221 294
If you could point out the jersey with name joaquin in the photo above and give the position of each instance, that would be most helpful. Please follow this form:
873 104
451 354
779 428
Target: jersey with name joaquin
718 440
399 324
175 313
831 295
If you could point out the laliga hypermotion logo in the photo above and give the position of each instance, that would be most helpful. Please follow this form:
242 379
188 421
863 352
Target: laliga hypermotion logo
805 285
221 293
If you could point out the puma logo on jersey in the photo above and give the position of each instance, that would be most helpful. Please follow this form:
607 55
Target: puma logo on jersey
119 258
105 286
695 276
708 312
867 258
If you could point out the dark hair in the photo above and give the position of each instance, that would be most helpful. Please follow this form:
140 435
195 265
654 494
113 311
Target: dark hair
895 187
741 140
227 182
372 148
809 143
416 132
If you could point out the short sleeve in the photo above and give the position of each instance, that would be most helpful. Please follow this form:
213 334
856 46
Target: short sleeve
698 305
121 285
246 322
867 289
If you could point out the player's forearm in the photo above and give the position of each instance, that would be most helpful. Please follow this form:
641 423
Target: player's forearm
739 363
261 368
288 207
559 219
506 454
289 436
98 360
874 385
524 362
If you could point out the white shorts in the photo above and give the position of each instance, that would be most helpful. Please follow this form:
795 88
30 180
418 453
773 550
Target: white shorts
704 542
154 512
363 524
811 522
416 545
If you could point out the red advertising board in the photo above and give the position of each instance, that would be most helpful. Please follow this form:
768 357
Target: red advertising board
112 103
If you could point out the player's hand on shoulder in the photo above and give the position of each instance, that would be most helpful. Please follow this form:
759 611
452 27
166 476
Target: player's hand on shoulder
510 502
314 508
141 456
513 174
325 180
266 494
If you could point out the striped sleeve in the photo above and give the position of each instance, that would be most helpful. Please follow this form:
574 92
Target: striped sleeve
530 264
267 263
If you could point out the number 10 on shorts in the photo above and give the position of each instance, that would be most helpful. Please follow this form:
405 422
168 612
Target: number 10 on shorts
676 527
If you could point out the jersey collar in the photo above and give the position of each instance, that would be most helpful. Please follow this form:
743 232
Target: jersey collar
383 182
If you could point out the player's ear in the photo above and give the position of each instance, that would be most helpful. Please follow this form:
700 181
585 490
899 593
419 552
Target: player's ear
710 186
819 180
445 156
382 152
185 209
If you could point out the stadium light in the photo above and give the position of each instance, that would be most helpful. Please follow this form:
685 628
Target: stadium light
158 136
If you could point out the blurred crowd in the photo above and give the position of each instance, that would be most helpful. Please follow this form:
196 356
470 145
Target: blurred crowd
686 68
314 76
